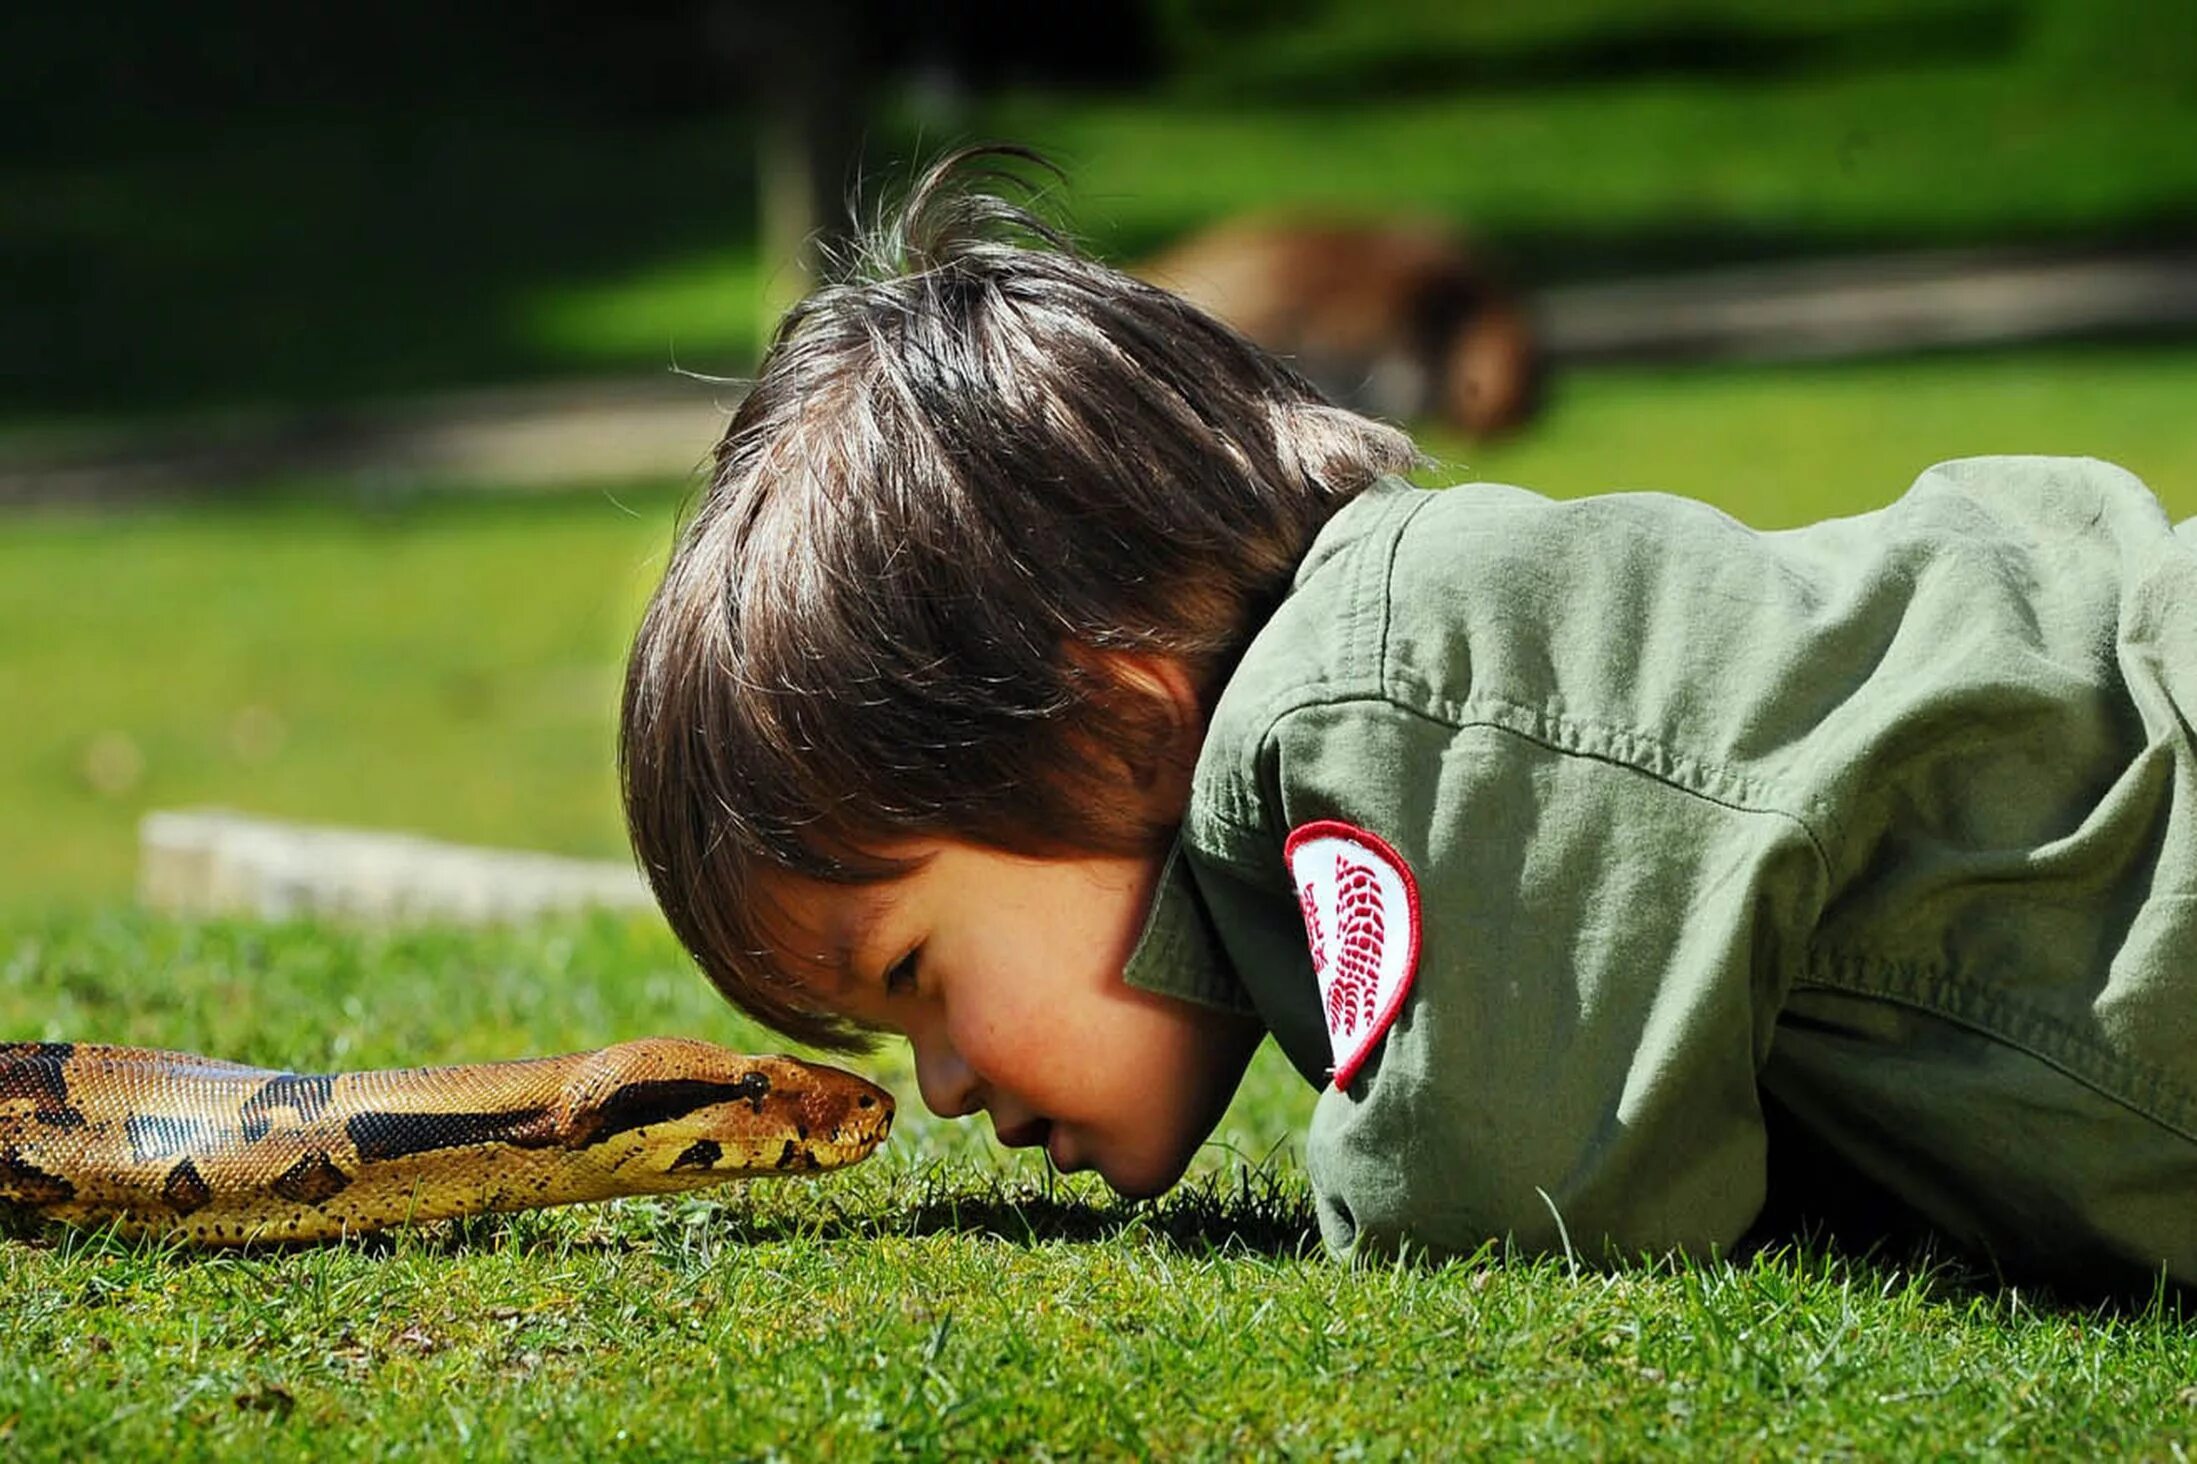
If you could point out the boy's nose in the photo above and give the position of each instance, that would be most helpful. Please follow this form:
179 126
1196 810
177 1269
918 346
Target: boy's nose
949 1088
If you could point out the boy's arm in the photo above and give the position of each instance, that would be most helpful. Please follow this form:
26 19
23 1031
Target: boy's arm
1601 955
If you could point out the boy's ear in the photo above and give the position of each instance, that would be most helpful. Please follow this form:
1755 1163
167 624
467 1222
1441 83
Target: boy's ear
1164 678
1172 687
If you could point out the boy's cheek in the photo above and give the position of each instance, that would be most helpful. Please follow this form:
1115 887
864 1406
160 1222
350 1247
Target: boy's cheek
1186 1103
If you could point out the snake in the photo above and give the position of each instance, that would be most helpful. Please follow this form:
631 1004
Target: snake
222 1154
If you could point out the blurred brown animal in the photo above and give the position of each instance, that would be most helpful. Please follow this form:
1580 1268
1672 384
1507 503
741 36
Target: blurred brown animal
1399 320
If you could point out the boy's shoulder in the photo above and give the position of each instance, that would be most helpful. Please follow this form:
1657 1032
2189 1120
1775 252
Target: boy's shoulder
1636 627
1326 643
1400 564
1396 592
1380 601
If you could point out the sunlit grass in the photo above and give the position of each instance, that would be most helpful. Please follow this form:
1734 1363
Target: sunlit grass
709 303
444 664
1659 172
944 1299
1788 445
1608 177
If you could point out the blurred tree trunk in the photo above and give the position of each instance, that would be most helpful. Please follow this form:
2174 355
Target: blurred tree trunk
808 78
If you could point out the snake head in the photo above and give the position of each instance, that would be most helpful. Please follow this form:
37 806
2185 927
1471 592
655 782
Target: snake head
670 1113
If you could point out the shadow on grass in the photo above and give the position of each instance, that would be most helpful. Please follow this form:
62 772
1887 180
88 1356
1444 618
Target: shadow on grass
1950 1275
1243 1213
1248 1211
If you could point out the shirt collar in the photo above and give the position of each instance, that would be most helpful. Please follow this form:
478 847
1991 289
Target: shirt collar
1178 953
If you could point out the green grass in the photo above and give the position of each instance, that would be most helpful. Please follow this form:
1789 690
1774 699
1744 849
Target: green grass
451 663
1662 171
2025 123
445 663
1566 181
1791 445
943 1300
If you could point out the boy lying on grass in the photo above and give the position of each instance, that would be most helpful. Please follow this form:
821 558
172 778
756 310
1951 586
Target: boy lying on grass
1054 678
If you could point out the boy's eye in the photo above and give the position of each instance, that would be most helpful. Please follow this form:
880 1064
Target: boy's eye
901 977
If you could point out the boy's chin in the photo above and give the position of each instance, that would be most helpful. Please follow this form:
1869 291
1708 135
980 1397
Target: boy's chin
1144 1181
1141 1189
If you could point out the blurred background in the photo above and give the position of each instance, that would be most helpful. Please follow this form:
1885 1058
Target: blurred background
356 361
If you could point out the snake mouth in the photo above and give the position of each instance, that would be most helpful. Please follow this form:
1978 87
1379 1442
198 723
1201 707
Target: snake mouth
868 1121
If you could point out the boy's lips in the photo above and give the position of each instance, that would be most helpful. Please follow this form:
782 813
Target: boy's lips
1027 1133
1034 1132
1057 1150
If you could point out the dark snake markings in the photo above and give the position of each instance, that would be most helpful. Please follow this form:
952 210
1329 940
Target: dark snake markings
26 1184
38 1071
304 1094
313 1180
659 1100
158 1136
185 1190
380 1135
701 1154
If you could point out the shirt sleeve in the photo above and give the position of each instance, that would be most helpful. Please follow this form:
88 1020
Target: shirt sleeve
1602 957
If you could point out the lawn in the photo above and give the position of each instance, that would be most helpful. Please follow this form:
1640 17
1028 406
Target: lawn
945 1299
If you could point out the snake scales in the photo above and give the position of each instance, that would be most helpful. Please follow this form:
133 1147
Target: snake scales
223 1154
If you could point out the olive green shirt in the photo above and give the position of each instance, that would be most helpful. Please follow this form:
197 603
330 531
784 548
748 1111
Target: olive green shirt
1883 829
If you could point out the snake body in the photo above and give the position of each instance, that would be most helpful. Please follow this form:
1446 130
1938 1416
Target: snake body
222 1154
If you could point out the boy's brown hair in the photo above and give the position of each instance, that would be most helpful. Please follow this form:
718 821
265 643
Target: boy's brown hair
965 471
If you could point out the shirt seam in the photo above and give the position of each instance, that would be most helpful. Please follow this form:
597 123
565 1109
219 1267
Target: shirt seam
1548 726
1556 733
1387 599
1989 1011
1371 562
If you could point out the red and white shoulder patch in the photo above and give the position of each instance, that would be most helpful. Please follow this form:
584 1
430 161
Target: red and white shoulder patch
1361 915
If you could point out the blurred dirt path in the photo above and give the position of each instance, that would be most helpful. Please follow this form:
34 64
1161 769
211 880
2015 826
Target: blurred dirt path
1877 303
568 434
663 427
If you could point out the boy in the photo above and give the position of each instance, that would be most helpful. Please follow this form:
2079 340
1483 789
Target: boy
1051 676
